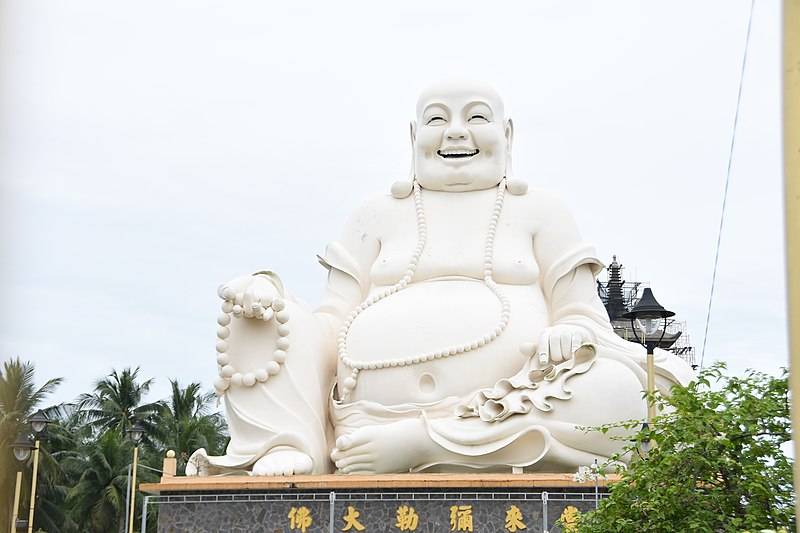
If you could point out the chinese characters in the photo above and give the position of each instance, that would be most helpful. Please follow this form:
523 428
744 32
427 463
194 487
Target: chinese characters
514 519
300 518
461 518
407 518
351 520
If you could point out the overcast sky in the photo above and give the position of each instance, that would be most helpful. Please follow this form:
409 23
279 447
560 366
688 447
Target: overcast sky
151 150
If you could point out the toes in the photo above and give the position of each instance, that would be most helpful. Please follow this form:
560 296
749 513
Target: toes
357 438
303 465
283 464
264 468
360 449
336 455
359 468
356 459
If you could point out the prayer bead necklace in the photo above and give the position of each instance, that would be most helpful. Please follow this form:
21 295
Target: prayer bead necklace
264 310
356 367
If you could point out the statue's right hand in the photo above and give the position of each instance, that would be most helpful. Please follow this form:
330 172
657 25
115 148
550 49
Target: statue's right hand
254 294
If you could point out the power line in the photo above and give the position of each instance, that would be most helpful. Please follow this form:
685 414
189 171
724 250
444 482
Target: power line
727 181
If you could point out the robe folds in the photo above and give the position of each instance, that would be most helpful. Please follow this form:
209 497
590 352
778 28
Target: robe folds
501 410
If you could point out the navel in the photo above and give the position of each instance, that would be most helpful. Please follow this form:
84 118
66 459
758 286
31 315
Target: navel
427 384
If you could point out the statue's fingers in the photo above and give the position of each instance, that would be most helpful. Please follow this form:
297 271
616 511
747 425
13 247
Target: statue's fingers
254 306
566 347
575 343
264 297
247 302
555 348
543 349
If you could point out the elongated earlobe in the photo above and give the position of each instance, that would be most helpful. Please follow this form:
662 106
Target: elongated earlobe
513 185
402 189
516 187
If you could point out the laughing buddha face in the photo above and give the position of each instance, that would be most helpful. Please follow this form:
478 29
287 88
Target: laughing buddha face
461 138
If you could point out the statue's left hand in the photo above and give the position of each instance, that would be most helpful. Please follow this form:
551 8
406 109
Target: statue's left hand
558 343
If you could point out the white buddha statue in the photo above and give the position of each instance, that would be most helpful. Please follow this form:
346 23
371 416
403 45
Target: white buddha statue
461 327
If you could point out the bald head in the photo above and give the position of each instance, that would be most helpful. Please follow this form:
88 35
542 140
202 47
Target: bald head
462 140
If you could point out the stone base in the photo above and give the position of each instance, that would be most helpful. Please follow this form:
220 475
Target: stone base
414 502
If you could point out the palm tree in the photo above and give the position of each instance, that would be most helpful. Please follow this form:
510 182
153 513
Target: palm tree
188 423
116 403
19 397
65 441
97 501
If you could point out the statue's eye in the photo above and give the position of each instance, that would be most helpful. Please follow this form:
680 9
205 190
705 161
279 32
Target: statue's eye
435 121
478 119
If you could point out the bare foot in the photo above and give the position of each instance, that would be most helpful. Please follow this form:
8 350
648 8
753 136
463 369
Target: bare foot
283 462
395 447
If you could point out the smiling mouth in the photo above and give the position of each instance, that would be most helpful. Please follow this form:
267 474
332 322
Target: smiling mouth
457 154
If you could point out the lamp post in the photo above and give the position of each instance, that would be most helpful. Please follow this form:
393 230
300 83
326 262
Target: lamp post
647 315
135 433
596 475
22 451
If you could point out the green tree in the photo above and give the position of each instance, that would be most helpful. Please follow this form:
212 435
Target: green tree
116 403
65 442
97 501
19 398
718 464
187 422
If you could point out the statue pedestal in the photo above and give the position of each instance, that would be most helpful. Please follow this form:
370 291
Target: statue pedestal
396 502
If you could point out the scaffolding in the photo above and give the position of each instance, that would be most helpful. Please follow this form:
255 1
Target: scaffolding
620 296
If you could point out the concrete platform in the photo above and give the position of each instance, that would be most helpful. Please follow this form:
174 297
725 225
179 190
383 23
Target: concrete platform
431 503
182 484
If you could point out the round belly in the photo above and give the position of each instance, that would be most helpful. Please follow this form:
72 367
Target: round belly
435 315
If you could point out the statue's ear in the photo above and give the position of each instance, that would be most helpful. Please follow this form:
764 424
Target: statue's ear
514 186
403 189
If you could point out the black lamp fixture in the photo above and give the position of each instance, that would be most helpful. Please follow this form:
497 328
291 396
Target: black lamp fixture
22 447
38 422
136 432
650 315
